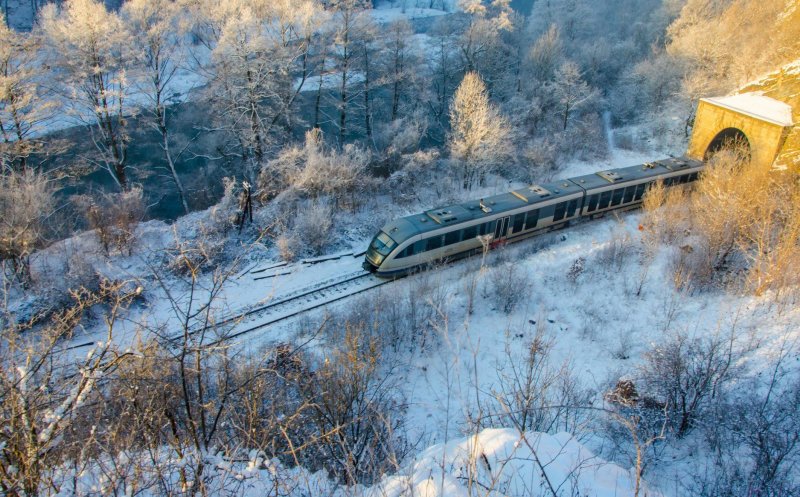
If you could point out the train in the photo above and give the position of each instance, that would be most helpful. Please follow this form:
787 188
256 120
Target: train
459 230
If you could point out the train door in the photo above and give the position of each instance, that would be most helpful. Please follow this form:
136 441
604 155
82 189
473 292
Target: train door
501 230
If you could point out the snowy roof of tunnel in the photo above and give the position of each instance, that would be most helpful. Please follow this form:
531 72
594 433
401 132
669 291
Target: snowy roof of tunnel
758 106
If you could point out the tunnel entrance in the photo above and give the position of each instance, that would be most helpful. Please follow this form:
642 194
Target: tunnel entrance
732 139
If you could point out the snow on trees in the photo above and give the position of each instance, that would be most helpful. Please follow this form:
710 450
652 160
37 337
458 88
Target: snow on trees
480 136
158 49
255 46
42 391
317 170
91 48
352 27
26 199
571 91
24 104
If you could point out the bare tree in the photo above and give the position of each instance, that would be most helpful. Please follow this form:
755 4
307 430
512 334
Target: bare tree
158 49
26 200
350 20
115 217
25 105
92 48
42 389
402 63
570 91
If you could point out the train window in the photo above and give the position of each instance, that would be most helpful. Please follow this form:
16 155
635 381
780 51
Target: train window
573 206
487 228
669 181
617 197
593 202
561 208
419 247
531 219
629 191
470 233
408 251
382 244
605 198
693 177
452 237
519 222
434 242
639 191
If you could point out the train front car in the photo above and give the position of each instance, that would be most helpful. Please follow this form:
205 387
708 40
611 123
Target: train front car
380 247
384 255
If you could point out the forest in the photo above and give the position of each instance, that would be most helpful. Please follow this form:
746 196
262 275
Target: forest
151 151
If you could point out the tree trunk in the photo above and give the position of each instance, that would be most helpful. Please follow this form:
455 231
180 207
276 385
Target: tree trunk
162 126
367 110
343 102
319 94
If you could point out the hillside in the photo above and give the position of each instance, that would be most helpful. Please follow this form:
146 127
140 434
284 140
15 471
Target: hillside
783 85
204 205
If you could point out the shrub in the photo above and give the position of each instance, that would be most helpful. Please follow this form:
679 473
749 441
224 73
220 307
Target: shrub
25 201
313 225
510 284
114 217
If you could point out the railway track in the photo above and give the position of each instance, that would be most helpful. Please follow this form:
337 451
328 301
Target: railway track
284 308
289 306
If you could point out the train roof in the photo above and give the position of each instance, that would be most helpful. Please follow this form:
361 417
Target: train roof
633 173
406 227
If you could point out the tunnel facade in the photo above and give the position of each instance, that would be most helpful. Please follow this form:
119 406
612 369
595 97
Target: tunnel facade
759 123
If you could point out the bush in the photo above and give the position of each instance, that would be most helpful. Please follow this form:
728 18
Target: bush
510 284
354 410
288 246
618 250
685 373
25 201
313 225
114 217
316 170
739 226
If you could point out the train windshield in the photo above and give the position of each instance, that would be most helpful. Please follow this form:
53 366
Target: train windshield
382 244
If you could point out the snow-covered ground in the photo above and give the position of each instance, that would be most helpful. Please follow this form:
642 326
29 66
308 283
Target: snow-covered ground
601 320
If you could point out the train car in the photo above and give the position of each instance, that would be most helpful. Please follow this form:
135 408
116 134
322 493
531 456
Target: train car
459 230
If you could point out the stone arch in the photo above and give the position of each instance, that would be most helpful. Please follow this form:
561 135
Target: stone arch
728 138
761 122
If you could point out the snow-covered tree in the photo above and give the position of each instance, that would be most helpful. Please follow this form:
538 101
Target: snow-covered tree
26 199
256 46
402 64
92 53
351 26
571 92
24 105
158 50
481 45
480 135
316 170
545 54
